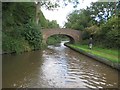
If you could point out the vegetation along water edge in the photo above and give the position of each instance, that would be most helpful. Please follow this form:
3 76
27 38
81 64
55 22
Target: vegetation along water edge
108 57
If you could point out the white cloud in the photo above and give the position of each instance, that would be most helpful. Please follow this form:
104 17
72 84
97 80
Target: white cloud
61 14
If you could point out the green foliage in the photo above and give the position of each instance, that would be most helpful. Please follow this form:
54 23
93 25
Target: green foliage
53 40
43 21
48 4
17 13
90 31
113 38
109 34
56 3
52 24
20 32
13 45
109 54
33 35
100 21
78 20
102 11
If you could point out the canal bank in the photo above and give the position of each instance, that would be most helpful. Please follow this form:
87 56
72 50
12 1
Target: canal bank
100 59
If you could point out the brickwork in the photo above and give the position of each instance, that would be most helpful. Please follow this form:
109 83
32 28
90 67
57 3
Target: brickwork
74 35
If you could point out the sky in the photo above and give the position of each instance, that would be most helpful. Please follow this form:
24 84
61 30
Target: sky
61 13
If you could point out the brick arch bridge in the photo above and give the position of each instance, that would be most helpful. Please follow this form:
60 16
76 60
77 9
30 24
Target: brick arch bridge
74 35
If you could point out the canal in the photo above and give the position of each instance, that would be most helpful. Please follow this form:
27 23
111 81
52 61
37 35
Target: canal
56 67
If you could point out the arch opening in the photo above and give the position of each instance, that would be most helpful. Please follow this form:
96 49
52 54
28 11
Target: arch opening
74 35
57 38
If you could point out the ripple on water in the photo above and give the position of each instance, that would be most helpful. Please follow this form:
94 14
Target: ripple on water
58 67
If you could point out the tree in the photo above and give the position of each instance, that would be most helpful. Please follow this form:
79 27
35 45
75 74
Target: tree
20 32
109 35
78 20
118 8
102 11
50 5
17 14
52 24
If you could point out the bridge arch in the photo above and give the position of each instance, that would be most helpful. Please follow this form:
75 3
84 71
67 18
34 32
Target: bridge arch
70 38
74 35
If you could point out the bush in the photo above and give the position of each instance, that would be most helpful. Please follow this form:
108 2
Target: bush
53 40
113 38
85 35
106 36
109 34
90 31
33 35
19 34
12 45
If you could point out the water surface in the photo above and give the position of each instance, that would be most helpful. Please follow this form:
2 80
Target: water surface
56 67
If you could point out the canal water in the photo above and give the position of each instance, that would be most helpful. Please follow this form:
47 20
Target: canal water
56 67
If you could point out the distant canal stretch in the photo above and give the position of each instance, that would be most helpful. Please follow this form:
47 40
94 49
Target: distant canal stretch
56 67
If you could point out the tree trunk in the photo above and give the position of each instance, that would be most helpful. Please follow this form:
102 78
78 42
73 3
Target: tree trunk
38 7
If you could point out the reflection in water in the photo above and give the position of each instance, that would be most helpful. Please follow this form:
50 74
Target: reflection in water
57 66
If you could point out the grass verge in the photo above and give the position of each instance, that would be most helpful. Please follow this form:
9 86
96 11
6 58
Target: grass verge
108 54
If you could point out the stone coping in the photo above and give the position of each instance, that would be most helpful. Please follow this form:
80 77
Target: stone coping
100 59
